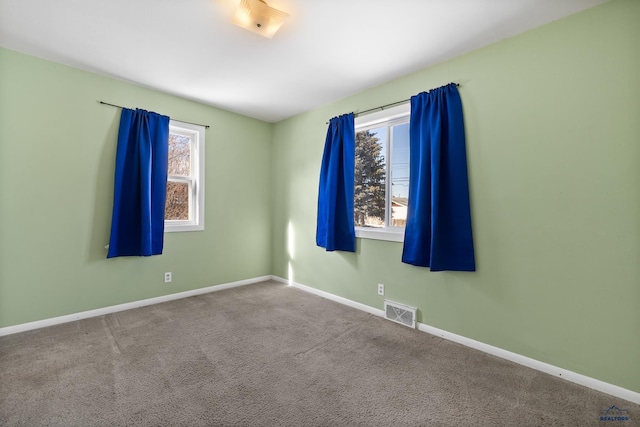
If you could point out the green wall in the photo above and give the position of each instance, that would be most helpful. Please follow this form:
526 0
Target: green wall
57 157
553 141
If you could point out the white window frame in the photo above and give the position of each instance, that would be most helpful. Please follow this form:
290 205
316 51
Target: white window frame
196 198
387 117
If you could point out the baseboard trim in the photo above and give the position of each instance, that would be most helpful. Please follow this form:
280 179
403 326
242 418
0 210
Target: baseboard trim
126 306
332 297
571 376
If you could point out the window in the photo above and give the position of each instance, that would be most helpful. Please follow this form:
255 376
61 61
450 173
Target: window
382 174
184 208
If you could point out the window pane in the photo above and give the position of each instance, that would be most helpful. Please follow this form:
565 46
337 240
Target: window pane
399 175
177 204
179 154
370 176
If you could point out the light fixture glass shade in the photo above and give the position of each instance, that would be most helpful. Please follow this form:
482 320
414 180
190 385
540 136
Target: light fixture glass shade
257 16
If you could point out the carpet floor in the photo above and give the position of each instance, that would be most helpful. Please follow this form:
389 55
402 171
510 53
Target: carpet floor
272 355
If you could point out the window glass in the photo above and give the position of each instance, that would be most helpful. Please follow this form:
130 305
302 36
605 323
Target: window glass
179 154
399 174
370 178
177 204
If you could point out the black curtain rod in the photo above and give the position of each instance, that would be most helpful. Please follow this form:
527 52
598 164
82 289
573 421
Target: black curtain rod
191 123
382 107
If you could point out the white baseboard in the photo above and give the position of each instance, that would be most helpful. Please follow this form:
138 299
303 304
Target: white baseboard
332 297
126 306
574 377
571 376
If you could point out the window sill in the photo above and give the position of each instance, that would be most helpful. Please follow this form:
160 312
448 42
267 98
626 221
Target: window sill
173 228
388 235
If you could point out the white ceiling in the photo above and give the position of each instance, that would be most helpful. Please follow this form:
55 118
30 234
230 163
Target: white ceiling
327 49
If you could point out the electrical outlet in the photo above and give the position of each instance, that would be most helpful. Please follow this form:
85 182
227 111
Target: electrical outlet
167 277
380 289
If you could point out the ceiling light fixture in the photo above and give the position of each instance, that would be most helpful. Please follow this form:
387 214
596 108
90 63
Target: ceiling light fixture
259 17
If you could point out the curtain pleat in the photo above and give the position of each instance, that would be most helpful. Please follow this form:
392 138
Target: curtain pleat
140 186
438 231
335 228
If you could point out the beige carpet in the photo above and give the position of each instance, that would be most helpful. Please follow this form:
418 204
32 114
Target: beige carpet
272 355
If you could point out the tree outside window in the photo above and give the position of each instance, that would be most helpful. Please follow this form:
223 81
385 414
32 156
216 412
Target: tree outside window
370 179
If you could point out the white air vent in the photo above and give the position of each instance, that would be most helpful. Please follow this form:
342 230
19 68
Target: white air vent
400 313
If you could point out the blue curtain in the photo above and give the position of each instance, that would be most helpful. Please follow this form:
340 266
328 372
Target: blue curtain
335 229
137 225
438 230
